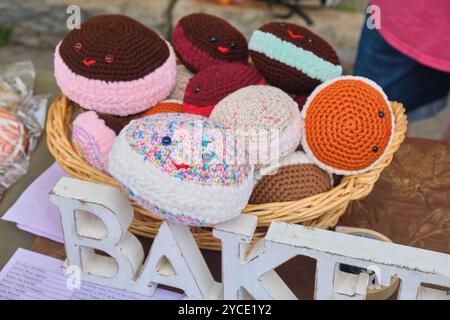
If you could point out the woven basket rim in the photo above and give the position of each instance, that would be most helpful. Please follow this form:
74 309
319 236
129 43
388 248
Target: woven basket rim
322 210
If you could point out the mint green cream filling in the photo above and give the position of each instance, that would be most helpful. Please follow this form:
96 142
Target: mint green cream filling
293 56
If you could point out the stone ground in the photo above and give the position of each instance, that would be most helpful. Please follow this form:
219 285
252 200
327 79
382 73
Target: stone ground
340 28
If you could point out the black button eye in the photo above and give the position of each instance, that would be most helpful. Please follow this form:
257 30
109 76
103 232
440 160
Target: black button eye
213 39
77 47
375 149
109 58
197 89
232 45
310 40
381 114
166 141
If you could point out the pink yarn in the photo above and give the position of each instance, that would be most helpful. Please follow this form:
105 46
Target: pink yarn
93 139
195 58
119 98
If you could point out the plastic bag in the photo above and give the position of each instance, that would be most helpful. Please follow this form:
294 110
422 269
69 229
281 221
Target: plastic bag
22 118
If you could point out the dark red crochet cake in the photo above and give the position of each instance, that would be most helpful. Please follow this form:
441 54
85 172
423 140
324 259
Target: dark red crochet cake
212 84
201 40
292 57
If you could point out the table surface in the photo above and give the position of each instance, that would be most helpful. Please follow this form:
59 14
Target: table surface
409 204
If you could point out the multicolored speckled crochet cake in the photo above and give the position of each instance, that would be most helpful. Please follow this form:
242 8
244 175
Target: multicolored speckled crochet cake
295 177
201 40
178 166
349 125
266 117
214 83
114 65
292 57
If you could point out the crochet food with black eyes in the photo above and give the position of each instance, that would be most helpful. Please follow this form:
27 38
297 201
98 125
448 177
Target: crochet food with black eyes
292 57
113 48
207 87
201 40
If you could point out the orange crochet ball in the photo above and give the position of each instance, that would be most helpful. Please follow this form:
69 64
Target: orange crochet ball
349 124
163 107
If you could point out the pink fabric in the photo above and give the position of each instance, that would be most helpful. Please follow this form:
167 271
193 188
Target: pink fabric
419 29
190 54
93 139
120 98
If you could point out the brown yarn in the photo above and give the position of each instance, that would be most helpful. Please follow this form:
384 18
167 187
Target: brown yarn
291 183
200 27
287 78
137 51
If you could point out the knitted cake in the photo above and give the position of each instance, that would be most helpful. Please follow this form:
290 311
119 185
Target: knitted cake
92 139
214 83
182 80
114 65
292 57
201 40
13 140
167 106
293 178
182 168
266 117
349 125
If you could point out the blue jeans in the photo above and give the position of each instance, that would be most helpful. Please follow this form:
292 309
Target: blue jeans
421 89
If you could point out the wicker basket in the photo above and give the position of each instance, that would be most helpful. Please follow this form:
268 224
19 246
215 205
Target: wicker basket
321 210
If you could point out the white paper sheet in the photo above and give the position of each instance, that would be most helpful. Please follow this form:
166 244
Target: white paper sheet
33 212
33 276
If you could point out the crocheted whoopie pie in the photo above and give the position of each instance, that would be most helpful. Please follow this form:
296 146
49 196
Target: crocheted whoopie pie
266 117
93 134
181 167
114 65
182 80
293 178
292 57
117 123
166 106
349 125
214 83
92 139
201 40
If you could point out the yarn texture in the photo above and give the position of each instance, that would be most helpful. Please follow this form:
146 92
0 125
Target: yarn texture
292 179
201 40
214 83
172 170
92 139
114 65
292 57
182 80
349 125
266 117
167 106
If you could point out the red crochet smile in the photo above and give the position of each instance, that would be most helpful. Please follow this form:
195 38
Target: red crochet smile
88 63
294 36
180 165
223 50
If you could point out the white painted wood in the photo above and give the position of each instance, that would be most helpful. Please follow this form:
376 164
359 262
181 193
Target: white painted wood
97 217
76 198
183 264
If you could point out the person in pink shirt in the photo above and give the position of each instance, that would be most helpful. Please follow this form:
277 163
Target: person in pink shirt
408 53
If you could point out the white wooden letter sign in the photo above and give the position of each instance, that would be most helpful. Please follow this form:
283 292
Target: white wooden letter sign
97 217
